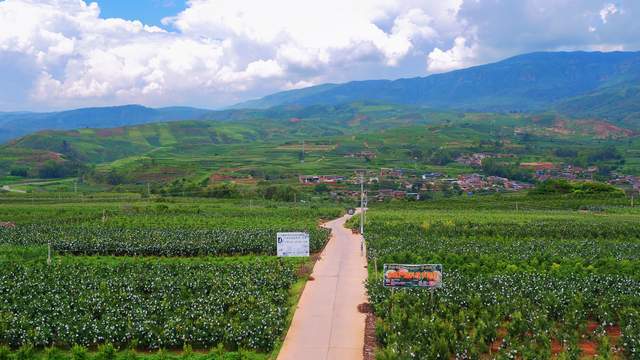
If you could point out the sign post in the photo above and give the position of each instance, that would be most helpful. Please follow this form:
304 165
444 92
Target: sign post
293 244
425 276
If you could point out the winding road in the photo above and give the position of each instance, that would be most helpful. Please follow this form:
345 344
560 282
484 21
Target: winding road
327 323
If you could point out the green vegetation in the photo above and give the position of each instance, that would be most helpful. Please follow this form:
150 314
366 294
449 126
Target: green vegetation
214 158
124 304
154 304
578 188
531 276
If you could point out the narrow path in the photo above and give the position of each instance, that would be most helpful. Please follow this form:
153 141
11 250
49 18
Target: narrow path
327 323
8 188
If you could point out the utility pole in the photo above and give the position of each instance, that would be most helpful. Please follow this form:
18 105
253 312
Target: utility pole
362 204
148 189
302 157
49 253
366 204
75 186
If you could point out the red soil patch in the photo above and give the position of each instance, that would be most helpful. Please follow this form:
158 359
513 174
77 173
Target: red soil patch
110 132
358 119
246 181
365 308
556 347
45 156
614 332
370 340
603 129
295 120
220 177
495 345
7 225
588 347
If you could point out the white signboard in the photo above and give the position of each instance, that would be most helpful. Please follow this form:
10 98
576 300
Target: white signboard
293 244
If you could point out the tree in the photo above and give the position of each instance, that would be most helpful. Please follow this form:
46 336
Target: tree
279 192
59 169
19 171
223 191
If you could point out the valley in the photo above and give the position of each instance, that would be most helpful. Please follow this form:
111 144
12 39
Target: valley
132 232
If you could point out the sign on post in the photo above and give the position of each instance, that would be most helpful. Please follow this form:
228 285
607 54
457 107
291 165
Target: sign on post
427 276
293 244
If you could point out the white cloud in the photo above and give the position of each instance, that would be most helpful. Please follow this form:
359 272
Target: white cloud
217 49
299 84
61 53
458 56
608 10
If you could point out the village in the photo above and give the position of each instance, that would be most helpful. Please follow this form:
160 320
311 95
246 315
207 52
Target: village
390 183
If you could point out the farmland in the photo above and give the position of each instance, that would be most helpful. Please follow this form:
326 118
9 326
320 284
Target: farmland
532 283
166 276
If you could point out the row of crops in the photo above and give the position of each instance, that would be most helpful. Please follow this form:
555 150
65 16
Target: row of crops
105 240
150 276
530 285
156 304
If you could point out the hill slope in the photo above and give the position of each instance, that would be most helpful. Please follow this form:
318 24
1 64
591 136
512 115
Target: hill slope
529 82
619 103
13 125
267 144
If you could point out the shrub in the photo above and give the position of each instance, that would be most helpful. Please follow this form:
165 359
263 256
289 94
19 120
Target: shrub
79 352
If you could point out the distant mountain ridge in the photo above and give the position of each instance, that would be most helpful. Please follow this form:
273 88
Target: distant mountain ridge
16 124
530 82
575 84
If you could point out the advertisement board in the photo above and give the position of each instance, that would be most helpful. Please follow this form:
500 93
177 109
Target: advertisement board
293 244
428 276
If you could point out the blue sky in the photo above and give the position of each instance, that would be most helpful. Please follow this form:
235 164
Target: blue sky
148 11
60 54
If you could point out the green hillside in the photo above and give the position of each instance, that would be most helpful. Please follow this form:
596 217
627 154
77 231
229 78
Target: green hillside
13 125
620 104
268 145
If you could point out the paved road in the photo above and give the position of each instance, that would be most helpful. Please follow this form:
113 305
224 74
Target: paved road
327 324
7 188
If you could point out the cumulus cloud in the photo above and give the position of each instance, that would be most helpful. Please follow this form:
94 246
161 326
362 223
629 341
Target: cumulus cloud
608 10
459 56
62 53
214 51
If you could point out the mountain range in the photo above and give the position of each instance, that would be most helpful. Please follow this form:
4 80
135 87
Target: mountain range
15 124
601 85
594 83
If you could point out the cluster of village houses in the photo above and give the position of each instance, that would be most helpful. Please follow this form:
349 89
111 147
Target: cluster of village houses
410 184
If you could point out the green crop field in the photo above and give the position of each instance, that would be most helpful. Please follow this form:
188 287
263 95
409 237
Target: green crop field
556 278
142 267
137 277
